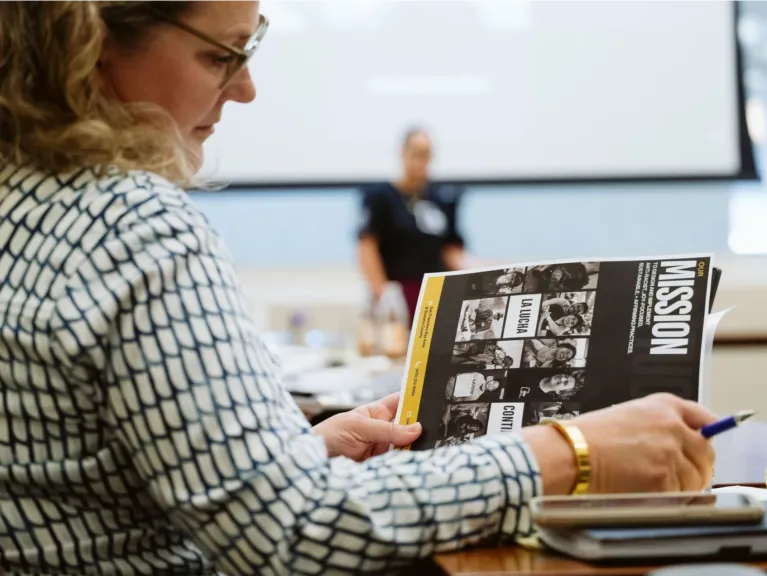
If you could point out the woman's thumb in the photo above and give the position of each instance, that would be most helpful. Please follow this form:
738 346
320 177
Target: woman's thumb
391 433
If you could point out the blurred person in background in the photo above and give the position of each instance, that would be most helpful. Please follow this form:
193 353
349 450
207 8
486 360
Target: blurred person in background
409 226
144 424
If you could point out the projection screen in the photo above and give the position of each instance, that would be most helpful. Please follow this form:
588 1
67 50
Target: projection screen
511 91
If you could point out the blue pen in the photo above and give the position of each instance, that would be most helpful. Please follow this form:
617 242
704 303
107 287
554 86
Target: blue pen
726 423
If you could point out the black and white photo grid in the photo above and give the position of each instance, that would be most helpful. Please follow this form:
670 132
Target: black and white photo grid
506 348
520 349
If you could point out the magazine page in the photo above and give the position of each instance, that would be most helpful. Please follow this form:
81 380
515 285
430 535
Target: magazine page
494 350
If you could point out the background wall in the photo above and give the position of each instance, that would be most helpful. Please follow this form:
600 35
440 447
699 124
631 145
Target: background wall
317 228
296 249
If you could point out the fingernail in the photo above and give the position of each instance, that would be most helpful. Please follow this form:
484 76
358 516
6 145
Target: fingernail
413 427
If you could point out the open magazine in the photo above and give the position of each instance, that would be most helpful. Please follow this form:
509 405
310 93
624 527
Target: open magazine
494 350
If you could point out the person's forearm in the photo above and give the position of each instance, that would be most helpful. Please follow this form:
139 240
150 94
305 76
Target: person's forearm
555 328
419 503
454 257
556 460
385 512
372 266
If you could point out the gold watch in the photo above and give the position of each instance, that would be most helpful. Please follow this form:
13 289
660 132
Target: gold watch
580 447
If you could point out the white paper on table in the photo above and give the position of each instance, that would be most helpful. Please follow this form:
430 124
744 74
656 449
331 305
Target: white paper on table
758 494
709 331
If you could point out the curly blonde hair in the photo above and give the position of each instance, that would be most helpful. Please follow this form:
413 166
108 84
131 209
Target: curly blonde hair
52 112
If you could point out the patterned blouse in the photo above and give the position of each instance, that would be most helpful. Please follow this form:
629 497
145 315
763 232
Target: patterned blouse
143 425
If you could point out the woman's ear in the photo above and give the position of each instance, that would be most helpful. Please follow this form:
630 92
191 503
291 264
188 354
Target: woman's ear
105 67
102 78
111 51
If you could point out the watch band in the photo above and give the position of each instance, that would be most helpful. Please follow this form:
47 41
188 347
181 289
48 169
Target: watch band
580 447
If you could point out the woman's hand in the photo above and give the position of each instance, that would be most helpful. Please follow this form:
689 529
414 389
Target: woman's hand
367 430
652 444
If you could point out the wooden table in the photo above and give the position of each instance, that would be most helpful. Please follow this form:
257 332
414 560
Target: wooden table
517 561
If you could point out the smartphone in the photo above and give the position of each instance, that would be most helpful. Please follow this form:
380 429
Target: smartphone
662 509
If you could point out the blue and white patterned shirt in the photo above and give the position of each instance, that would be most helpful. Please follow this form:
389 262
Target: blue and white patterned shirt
143 425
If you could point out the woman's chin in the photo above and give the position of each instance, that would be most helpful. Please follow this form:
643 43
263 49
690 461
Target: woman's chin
195 154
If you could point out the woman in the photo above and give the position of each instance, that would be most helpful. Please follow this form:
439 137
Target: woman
144 428
566 325
548 354
563 385
409 226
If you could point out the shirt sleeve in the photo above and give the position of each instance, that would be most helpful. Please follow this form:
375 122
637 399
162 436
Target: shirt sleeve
371 215
196 399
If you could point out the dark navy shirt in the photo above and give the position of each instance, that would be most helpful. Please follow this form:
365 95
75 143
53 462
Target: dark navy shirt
411 234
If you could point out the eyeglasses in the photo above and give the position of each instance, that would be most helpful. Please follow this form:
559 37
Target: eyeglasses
240 57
